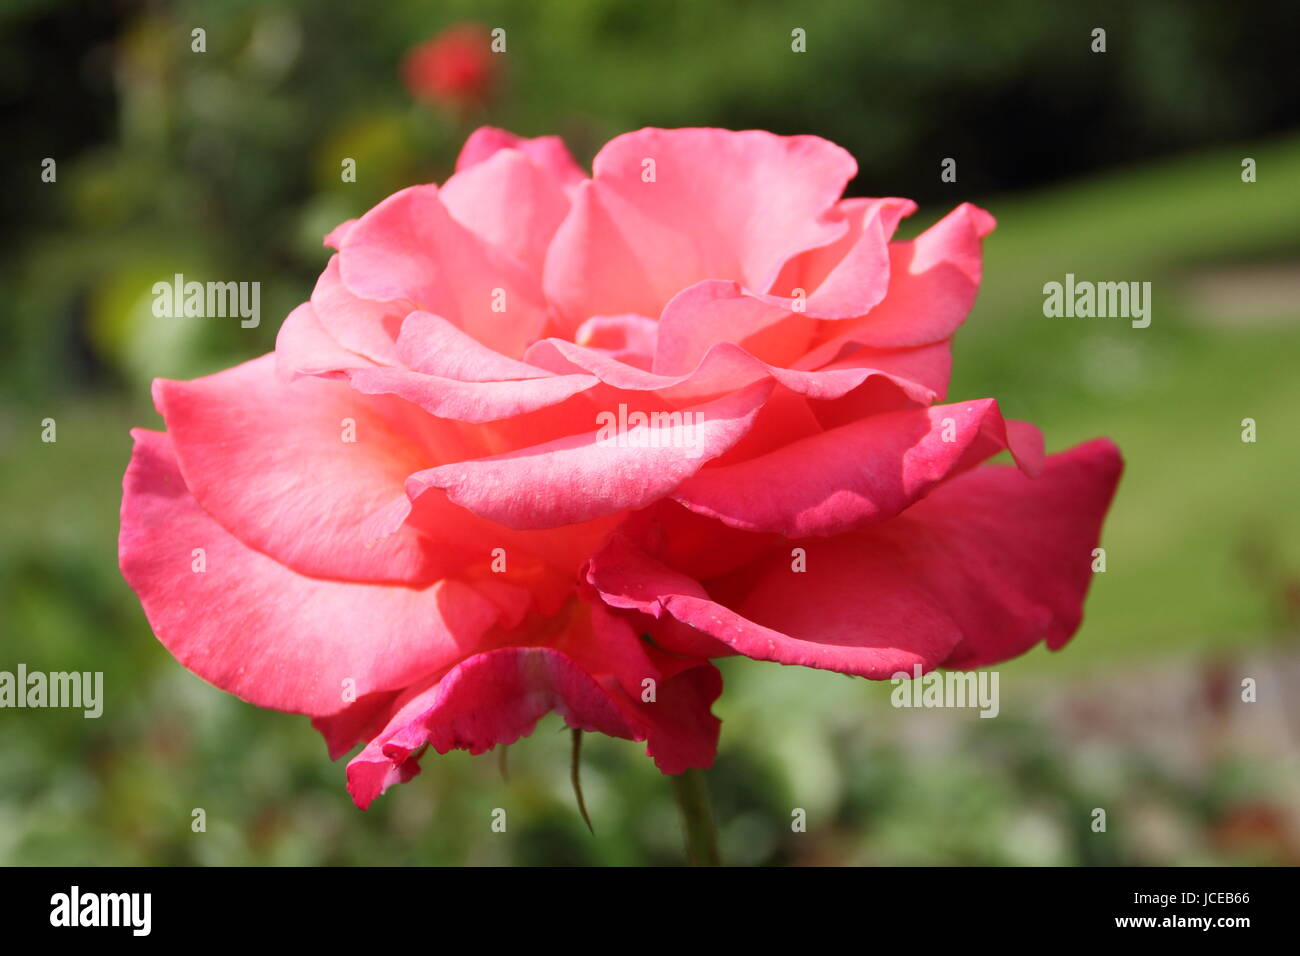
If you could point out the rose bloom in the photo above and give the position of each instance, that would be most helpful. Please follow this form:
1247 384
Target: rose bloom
415 523
454 68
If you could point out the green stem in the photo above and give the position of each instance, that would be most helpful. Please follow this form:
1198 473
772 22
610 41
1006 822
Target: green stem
692 795
575 777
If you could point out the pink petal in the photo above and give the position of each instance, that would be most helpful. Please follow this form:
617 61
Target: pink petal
548 152
259 630
594 680
854 284
630 339
1026 546
717 311
722 205
410 248
494 697
981 570
535 487
334 238
932 286
510 203
362 326
431 344
469 402
545 560
268 460
927 368
850 276
786 417
853 613
356 723
859 473
303 347
725 367
681 731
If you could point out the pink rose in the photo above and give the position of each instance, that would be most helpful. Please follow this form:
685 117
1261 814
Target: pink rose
529 419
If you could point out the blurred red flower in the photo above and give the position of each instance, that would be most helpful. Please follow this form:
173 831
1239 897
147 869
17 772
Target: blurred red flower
454 68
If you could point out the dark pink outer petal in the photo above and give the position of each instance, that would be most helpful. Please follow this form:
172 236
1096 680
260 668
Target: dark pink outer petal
980 571
362 720
594 680
865 471
494 697
274 637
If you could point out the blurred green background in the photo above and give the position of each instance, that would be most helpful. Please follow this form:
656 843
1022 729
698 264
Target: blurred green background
1120 166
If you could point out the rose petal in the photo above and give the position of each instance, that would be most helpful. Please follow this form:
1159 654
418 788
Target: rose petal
362 326
850 276
846 477
932 286
595 683
334 238
469 402
431 344
980 571
269 461
263 632
303 347
726 367
711 312
510 203
535 487
720 205
410 248
548 152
